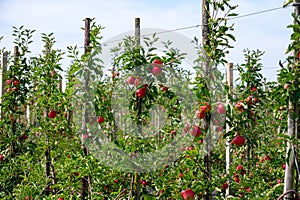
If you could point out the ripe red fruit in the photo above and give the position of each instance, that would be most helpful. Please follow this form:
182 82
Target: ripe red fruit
60 198
221 108
130 80
187 194
7 82
249 100
85 136
225 186
204 109
164 88
1 157
24 136
181 175
116 181
238 140
143 182
190 148
219 128
286 86
157 63
16 82
253 89
137 82
283 166
28 197
100 119
239 106
236 179
156 71
52 114
239 168
15 89
196 131
216 122
200 114
173 132
248 189
278 181
267 157
141 92
255 100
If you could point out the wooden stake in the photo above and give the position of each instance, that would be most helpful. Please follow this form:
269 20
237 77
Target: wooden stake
206 73
229 80
85 180
289 179
137 184
137 30
3 72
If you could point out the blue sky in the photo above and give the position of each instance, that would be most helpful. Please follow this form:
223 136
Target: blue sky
266 31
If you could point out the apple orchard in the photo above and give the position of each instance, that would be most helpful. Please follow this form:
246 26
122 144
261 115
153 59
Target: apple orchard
149 129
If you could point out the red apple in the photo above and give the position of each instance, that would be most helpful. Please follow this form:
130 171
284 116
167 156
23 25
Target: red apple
156 71
52 114
173 132
1 157
248 189
253 89
190 148
24 136
267 157
60 198
216 122
239 168
141 92
157 63
130 80
15 89
138 82
238 140
116 181
16 82
181 175
187 194
249 100
164 88
219 128
100 119
236 179
200 114
255 100
278 181
283 166
143 182
225 186
8 81
204 109
286 86
85 136
196 131
28 198
221 108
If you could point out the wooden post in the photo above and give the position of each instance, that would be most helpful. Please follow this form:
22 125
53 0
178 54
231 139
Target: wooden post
137 31
206 73
137 186
3 72
87 41
289 179
229 80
